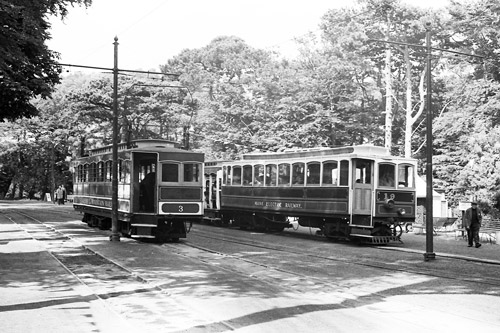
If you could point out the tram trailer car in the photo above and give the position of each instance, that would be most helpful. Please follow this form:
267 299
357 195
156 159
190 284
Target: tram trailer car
159 189
359 193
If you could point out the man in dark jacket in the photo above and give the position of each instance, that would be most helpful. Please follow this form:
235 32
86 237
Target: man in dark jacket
472 223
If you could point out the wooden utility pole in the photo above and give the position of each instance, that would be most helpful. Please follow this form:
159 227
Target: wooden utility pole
429 226
115 233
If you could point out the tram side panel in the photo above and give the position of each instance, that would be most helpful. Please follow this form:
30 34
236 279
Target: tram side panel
92 189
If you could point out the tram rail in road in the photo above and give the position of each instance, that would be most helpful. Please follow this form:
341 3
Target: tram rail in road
221 279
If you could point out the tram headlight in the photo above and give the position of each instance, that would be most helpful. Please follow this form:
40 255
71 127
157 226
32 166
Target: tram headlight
401 211
389 204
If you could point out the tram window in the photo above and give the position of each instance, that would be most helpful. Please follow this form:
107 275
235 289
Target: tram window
79 173
92 172
86 173
313 172
224 175
298 173
170 172
363 172
247 175
192 172
126 171
386 174
107 170
237 175
120 171
258 172
344 173
284 174
405 175
271 175
330 173
102 172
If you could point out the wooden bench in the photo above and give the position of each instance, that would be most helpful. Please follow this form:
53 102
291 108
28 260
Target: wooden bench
489 230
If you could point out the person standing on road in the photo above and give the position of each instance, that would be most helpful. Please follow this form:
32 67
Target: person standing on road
472 223
60 195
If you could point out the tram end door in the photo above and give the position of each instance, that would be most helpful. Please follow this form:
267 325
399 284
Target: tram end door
362 192
144 180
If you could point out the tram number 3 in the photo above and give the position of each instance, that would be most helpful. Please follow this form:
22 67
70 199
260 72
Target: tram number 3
181 208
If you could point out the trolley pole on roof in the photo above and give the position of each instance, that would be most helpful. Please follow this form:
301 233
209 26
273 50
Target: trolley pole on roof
429 224
115 234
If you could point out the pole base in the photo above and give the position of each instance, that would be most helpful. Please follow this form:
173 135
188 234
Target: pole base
114 237
429 256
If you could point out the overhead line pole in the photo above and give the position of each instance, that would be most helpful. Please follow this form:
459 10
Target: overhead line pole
429 226
115 232
429 223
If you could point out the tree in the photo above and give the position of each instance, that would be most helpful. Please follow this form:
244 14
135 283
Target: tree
388 73
27 67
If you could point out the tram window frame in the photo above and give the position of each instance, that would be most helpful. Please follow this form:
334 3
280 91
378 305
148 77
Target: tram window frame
247 175
236 175
344 172
172 172
284 174
120 171
330 175
191 172
296 181
363 171
79 173
86 175
271 174
386 174
313 176
100 172
258 175
409 175
108 165
92 177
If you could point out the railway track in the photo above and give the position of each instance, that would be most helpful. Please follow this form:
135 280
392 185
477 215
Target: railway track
140 302
272 265
409 263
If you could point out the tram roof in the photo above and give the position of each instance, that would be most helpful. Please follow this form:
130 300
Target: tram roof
352 151
144 144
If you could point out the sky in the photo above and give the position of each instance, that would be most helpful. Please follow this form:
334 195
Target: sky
152 31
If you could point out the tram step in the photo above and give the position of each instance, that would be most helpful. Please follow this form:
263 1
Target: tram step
143 225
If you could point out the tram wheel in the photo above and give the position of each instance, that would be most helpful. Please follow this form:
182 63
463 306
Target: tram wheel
396 230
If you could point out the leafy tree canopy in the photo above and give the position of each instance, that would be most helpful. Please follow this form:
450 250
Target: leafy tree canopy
27 67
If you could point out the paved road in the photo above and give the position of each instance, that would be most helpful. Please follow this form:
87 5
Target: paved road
181 288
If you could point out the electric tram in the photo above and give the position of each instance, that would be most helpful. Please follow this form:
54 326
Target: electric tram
357 193
160 189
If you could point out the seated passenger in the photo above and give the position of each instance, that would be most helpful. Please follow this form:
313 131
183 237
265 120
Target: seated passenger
386 180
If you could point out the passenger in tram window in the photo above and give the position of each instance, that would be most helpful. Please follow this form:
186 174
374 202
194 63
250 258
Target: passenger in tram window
298 180
146 193
271 175
258 175
298 174
386 177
